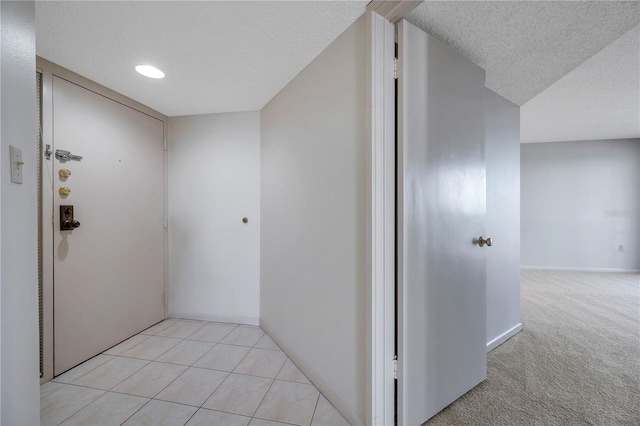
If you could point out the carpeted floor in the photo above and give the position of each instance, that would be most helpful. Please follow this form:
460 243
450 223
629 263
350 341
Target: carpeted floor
576 362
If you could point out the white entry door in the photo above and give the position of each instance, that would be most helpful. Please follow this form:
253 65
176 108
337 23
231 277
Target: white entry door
441 215
109 271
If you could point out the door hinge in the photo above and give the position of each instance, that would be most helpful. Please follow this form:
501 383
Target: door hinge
164 140
166 222
395 68
395 367
166 299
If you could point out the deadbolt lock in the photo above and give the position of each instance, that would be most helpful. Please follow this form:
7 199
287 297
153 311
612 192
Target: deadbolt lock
67 221
64 173
64 190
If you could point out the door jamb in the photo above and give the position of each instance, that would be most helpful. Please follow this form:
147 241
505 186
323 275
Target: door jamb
381 190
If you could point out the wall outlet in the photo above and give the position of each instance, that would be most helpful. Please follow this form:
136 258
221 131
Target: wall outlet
620 248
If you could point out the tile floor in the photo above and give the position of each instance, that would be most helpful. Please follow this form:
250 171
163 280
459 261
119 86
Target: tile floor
182 372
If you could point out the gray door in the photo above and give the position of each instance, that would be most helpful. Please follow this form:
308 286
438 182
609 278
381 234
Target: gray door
109 272
441 215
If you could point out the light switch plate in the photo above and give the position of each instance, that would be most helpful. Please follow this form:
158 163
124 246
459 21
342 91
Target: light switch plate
16 164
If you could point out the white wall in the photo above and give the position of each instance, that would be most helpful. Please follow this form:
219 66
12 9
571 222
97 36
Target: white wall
502 156
313 221
20 370
580 200
214 181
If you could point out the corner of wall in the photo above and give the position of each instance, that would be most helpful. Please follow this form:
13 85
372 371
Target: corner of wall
19 377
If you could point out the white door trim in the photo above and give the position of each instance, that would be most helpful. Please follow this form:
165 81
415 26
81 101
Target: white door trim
381 189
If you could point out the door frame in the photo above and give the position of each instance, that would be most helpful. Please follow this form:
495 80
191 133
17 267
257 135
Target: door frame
49 70
381 220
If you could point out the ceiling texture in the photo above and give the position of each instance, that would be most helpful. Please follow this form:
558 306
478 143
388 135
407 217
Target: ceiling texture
525 46
556 59
540 55
598 100
218 56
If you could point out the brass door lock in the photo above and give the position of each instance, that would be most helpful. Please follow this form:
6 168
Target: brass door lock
64 191
67 222
64 173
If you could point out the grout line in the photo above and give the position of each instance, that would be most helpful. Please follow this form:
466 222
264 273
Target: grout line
83 407
235 326
263 398
136 412
199 406
267 392
138 334
107 390
148 362
193 332
277 421
69 370
189 419
167 350
316 407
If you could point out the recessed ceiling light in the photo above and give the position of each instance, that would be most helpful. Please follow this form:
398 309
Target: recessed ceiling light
149 71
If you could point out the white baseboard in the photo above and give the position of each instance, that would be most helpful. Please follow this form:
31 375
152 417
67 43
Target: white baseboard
563 268
504 337
334 399
217 318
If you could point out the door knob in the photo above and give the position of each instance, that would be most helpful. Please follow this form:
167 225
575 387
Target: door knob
482 241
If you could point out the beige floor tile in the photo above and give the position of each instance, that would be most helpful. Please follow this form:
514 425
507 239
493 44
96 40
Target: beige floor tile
261 362
239 394
206 417
193 387
126 345
262 422
111 373
109 409
82 369
186 352
289 403
151 348
213 332
243 336
291 373
150 380
327 415
182 329
223 357
49 388
161 413
64 402
267 343
160 326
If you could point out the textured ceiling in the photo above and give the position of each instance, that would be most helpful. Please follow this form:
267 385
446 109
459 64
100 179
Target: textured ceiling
525 46
218 56
236 55
598 100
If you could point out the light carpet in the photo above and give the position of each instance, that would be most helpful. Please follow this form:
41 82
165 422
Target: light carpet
576 362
